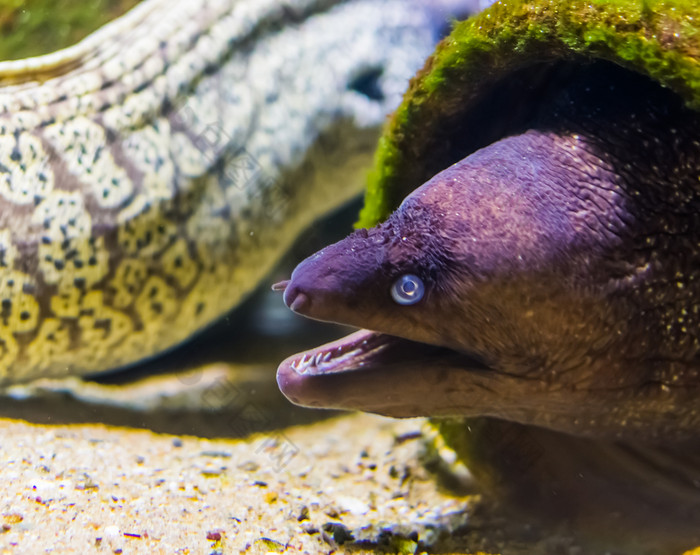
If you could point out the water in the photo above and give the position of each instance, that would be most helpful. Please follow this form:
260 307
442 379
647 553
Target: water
36 27
220 383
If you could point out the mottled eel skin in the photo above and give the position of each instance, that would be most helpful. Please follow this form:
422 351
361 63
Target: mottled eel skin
153 173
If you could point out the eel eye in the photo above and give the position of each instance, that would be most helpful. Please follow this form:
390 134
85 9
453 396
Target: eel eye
408 289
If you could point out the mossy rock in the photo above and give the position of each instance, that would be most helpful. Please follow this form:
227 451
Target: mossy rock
35 27
464 96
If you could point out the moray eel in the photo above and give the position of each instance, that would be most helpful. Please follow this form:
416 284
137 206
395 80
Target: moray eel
547 282
543 279
152 174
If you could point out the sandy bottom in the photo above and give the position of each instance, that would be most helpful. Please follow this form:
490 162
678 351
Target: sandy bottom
214 460
351 481
79 474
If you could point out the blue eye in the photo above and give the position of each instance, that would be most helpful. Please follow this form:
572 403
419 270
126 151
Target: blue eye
408 289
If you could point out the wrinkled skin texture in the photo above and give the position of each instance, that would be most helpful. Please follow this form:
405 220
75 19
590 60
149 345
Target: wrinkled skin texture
559 272
560 314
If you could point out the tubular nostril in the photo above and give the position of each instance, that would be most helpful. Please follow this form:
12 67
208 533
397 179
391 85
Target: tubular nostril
300 303
295 299
281 285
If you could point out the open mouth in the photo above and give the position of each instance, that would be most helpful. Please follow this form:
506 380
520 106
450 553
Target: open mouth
349 353
371 371
368 370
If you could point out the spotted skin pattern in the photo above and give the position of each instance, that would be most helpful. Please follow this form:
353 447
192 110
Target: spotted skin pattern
152 174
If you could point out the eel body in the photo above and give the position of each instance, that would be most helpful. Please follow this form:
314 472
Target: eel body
152 174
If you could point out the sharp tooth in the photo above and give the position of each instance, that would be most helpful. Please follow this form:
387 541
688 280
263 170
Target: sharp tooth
294 364
327 356
304 365
318 358
300 365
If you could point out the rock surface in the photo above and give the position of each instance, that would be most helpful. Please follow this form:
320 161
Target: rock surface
309 489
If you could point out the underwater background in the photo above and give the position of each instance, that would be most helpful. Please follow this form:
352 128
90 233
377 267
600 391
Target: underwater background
35 27
323 478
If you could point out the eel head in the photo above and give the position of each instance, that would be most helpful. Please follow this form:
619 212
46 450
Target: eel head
516 284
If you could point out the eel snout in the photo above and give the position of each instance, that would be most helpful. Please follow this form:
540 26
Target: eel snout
383 369
294 298
323 283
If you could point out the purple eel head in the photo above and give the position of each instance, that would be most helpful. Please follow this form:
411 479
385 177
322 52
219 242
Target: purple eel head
466 289
502 287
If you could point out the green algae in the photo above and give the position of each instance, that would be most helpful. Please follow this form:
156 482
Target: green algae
659 38
35 27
